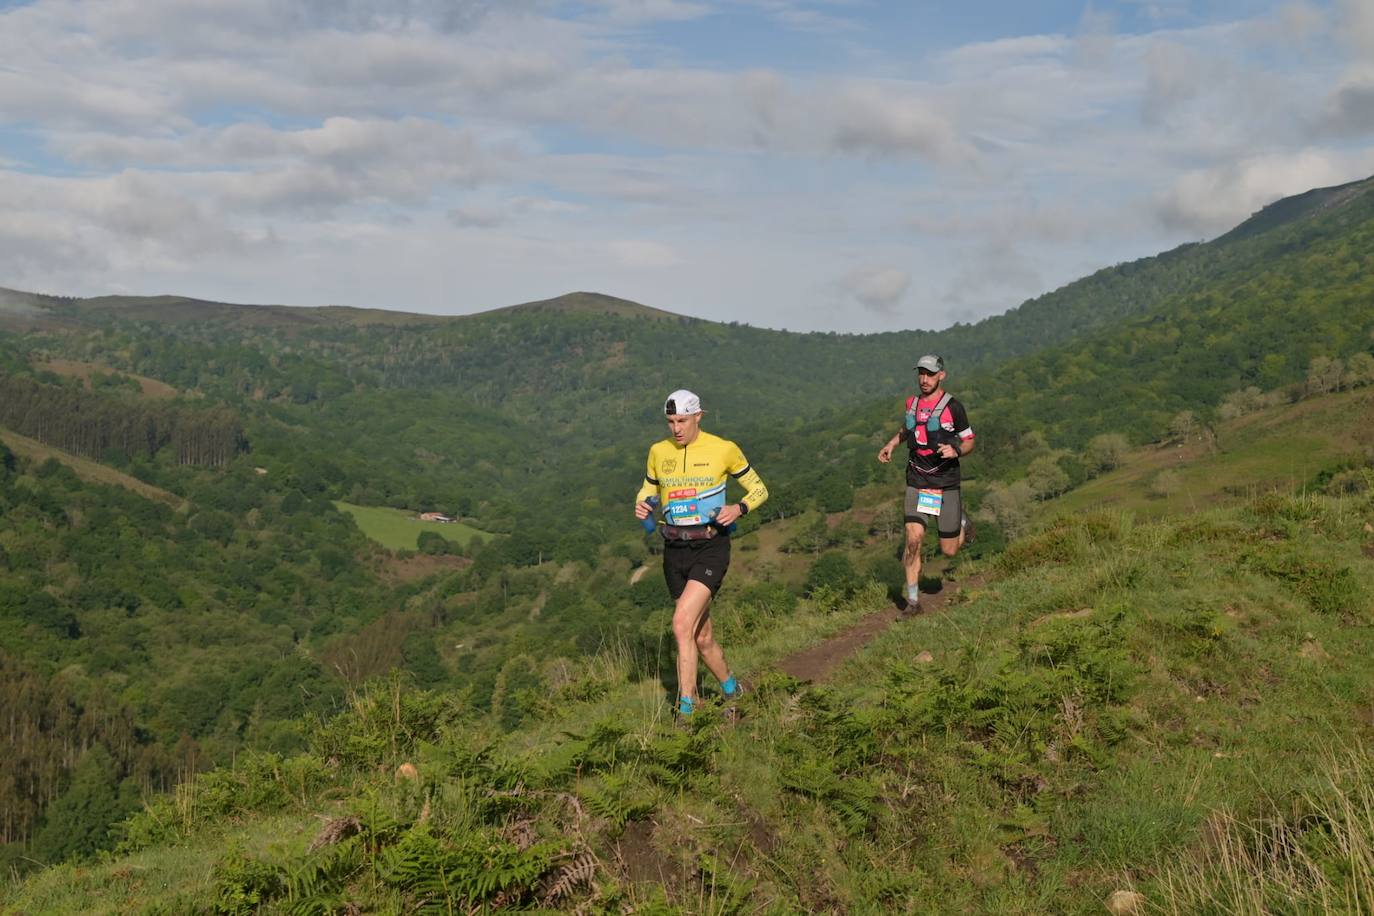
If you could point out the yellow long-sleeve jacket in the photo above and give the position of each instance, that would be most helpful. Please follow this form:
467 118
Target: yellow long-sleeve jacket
690 480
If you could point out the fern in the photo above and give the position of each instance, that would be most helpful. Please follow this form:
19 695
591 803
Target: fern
853 800
612 800
576 872
243 884
317 884
472 870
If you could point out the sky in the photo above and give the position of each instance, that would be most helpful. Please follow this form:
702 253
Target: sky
832 165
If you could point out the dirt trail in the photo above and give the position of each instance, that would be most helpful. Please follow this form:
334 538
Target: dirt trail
820 661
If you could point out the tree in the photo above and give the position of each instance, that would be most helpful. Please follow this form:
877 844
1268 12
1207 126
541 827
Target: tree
1009 507
887 520
1359 370
1183 426
1239 403
1046 477
1033 443
1324 375
1106 451
79 821
814 538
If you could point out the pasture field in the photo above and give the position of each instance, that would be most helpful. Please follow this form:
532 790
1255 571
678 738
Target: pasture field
397 529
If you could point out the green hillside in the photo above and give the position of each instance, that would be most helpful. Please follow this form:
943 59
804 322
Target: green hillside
177 639
1107 707
1300 446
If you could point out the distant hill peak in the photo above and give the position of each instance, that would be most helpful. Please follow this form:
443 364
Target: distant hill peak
587 303
18 304
1299 206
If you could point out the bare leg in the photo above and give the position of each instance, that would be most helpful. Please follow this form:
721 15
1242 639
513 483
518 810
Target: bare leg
950 546
911 559
711 652
688 616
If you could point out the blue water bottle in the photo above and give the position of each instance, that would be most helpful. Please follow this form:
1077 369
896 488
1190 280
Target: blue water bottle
649 523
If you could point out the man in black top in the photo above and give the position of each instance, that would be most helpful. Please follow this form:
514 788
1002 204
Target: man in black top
938 434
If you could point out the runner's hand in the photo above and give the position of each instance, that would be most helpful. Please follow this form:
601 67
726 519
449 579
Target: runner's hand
643 510
947 451
885 454
728 515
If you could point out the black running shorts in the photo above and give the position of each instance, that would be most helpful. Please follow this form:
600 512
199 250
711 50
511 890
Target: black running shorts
699 561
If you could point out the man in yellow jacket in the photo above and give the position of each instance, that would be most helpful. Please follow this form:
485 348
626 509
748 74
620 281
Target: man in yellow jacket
687 473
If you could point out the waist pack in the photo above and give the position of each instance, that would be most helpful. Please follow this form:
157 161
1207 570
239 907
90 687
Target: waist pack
689 532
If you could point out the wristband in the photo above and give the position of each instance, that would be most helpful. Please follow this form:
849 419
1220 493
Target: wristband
743 507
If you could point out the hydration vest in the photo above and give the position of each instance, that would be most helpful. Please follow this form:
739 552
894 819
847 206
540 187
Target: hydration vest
933 421
935 434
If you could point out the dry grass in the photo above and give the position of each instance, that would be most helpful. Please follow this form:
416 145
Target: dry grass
1317 857
151 387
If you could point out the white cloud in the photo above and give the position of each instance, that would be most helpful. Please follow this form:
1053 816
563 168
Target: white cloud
1357 25
643 253
869 120
1350 109
1175 75
222 144
879 288
1213 200
634 11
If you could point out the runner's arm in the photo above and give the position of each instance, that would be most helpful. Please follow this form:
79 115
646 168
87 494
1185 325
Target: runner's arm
755 492
648 488
885 453
962 430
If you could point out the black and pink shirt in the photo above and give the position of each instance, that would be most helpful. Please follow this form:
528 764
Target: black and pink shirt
925 469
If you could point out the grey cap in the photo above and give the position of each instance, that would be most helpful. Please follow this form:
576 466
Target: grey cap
931 363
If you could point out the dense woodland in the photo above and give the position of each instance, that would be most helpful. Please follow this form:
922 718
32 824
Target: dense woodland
170 640
117 430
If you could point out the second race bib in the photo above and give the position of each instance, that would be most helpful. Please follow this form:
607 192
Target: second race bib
928 502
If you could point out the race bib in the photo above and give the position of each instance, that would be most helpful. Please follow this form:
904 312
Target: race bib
928 501
683 508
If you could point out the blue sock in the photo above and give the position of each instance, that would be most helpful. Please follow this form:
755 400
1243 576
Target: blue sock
913 593
729 686
685 706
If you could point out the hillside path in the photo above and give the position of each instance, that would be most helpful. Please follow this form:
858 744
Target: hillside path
820 661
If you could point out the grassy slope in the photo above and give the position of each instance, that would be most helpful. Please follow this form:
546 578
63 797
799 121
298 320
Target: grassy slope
397 529
151 387
1283 447
1087 711
87 470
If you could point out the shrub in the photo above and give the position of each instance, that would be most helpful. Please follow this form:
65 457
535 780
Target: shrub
1165 484
434 544
833 571
772 598
1326 586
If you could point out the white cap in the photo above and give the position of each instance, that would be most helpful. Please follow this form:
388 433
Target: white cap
681 403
